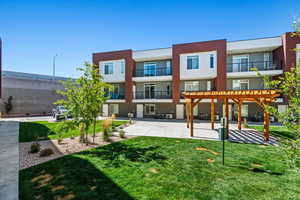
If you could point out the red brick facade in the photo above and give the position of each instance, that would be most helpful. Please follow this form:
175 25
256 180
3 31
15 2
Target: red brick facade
289 55
130 66
215 45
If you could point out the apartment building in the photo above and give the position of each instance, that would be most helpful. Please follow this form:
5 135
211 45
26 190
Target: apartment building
149 83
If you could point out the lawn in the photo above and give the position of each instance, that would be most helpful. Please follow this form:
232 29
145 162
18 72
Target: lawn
47 130
163 168
278 131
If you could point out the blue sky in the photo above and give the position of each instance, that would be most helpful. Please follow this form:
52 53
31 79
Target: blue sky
34 31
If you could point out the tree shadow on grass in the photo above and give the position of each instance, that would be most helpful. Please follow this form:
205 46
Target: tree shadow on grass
32 131
283 134
69 177
118 154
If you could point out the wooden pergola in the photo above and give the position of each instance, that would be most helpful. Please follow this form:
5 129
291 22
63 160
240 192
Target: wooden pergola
261 97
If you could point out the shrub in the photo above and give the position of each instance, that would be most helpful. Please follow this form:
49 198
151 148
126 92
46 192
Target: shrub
122 133
245 125
46 152
106 129
35 147
8 105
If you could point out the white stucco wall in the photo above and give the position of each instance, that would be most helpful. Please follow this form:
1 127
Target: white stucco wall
204 70
116 76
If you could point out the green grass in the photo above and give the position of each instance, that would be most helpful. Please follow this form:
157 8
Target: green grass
163 168
47 130
280 132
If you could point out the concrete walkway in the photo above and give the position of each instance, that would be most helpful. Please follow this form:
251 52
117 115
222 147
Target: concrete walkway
9 160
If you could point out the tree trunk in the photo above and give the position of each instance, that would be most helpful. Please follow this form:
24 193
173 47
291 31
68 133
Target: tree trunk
94 130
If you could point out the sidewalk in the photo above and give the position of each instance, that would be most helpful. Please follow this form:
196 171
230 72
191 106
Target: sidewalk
9 160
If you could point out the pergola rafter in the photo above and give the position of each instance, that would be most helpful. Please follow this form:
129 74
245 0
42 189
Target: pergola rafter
261 97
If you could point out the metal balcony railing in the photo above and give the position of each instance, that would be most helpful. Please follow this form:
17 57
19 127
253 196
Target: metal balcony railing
153 95
247 66
115 95
161 71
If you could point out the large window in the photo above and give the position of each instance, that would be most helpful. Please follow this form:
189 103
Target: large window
191 86
122 67
212 61
244 111
114 108
149 69
240 63
193 62
149 109
108 68
240 84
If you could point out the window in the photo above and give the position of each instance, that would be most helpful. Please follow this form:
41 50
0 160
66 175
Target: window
240 63
240 84
114 108
149 69
122 67
193 62
168 69
191 86
208 85
108 68
244 111
150 109
267 60
212 61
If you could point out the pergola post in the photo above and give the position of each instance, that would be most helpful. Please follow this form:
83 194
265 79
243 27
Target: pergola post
212 114
227 113
266 125
187 111
191 118
240 115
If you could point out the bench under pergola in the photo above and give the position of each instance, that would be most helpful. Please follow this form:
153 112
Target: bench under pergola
261 97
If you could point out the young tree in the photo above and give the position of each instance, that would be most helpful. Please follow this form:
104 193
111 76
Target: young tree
84 97
289 86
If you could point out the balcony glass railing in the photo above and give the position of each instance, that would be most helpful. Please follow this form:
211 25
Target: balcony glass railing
162 71
247 66
153 95
115 95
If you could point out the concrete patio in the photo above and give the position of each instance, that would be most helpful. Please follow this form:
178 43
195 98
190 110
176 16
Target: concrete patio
202 130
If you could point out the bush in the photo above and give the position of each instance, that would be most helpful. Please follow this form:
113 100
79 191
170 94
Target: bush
106 135
245 125
46 152
122 133
35 147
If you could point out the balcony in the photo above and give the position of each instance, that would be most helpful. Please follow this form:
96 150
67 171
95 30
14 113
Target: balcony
161 71
244 69
115 95
247 66
153 95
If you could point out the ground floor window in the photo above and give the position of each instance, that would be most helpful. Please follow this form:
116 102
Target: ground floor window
114 108
195 110
244 111
191 86
240 84
149 109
